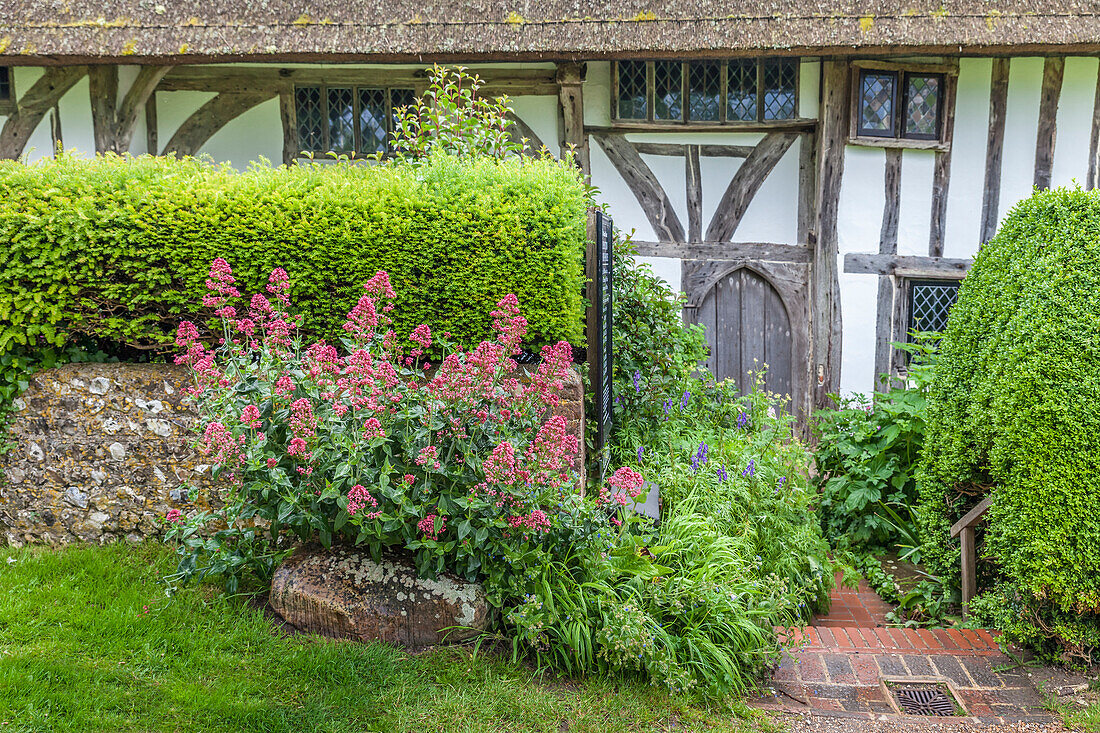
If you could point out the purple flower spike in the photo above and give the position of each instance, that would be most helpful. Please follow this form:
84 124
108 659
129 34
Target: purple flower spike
750 469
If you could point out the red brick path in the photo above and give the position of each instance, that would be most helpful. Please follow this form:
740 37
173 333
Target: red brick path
836 666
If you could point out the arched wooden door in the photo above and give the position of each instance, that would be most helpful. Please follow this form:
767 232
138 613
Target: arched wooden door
748 326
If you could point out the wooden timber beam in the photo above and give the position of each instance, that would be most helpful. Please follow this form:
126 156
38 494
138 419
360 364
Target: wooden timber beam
693 181
211 117
994 147
964 528
1053 71
113 124
825 321
570 80
512 82
887 245
860 263
706 151
748 179
941 175
43 96
644 185
694 250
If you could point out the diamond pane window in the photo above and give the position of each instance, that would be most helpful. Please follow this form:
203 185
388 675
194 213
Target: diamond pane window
780 77
877 91
668 90
929 303
704 91
5 84
307 102
372 120
632 100
341 120
922 106
741 90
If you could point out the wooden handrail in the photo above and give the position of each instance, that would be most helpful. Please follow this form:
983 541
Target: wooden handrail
968 557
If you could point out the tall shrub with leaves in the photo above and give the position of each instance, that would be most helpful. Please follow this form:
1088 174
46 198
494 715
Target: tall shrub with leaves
1012 415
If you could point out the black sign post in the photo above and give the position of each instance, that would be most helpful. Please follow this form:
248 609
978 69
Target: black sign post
598 264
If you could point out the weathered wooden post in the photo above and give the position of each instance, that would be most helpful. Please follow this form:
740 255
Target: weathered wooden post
964 529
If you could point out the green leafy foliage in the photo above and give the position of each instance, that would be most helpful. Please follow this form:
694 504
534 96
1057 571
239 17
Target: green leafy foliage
654 353
1012 412
118 248
866 457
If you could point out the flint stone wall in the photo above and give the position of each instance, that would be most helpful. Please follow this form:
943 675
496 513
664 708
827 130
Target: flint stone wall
99 452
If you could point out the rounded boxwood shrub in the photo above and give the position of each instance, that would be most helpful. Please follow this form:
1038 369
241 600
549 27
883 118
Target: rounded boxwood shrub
1012 411
117 249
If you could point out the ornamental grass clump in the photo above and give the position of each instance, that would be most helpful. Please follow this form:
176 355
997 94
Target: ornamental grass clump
456 461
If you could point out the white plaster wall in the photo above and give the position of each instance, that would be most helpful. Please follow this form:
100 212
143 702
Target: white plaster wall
1025 83
859 226
915 210
1071 144
968 148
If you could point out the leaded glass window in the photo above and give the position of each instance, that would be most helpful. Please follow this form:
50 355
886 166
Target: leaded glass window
341 120
347 119
877 108
930 302
741 90
779 82
705 91
633 96
733 91
668 90
899 104
311 136
5 84
922 106
372 120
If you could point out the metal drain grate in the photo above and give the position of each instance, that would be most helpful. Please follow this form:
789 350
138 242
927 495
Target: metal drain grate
930 699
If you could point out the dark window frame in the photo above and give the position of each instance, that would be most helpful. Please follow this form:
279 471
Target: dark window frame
724 119
356 97
899 103
947 74
7 101
910 293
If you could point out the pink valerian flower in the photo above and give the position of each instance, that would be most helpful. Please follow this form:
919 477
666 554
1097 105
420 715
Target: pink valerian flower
500 467
278 332
426 454
410 479
422 335
536 521
278 284
246 326
186 334
303 423
297 447
218 443
220 284
272 462
373 429
379 286
432 526
323 360
626 484
550 376
250 416
510 326
553 450
259 308
174 516
284 386
362 319
359 498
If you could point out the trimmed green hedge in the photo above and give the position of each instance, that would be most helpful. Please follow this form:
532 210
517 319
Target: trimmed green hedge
119 248
1013 409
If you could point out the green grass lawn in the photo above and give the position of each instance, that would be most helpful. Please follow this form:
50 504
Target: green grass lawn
90 642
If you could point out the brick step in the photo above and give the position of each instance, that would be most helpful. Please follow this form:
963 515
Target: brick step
851 639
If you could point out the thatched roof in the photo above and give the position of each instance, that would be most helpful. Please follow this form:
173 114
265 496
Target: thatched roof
349 30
